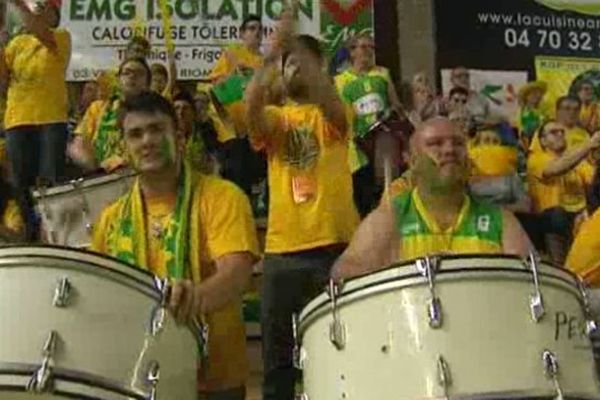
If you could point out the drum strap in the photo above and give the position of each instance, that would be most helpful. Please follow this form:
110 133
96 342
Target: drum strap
181 242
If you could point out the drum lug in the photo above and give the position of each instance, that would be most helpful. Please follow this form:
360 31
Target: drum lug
153 377
42 190
337 330
41 380
444 376
536 300
296 351
62 293
428 267
552 371
591 326
159 313
302 396
85 209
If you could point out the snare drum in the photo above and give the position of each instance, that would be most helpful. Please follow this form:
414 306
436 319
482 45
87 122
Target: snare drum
79 325
457 327
69 211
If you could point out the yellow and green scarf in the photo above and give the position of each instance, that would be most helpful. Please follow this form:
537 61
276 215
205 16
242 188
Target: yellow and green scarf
127 239
107 140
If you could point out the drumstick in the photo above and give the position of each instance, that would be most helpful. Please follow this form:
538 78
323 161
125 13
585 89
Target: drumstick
387 178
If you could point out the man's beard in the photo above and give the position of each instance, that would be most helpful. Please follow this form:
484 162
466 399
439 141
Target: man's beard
429 172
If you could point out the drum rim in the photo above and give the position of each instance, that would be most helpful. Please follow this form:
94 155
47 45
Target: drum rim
87 183
148 279
70 376
311 309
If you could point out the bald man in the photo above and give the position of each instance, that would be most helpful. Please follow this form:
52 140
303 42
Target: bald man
437 216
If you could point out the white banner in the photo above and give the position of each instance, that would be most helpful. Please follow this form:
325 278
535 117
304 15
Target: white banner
499 87
100 30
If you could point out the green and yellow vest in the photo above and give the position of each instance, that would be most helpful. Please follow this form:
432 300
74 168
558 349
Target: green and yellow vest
478 228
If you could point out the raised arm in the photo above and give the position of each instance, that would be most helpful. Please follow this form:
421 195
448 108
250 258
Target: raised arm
375 245
571 158
261 129
36 25
326 96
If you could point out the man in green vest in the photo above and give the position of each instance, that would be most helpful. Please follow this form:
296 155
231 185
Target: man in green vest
368 90
437 216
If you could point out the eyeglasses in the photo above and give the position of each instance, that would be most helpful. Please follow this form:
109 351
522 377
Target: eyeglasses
557 131
460 100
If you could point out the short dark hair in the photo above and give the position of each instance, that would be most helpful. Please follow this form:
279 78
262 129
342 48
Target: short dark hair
148 103
458 90
543 126
139 40
308 42
143 62
249 19
564 99
184 95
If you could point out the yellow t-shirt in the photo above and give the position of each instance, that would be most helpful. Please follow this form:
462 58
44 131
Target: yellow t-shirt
12 218
233 56
590 116
493 160
567 191
584 257
37 92
226 227
311 202
88 125
238 55
574 137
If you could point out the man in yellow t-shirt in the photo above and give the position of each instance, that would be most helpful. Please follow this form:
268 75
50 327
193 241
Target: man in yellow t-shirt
98 142
34 68
584 256
197 230
311 212
240 164
558 178
568 110
589 117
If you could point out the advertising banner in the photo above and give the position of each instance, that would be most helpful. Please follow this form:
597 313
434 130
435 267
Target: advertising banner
500 88
509 34
199 29
563 75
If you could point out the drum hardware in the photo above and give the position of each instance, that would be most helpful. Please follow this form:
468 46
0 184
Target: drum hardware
428 267
62 293
85 209
159 313
337 331
302 396
41 380
297 362
43 191
536 300
591 326
444 376
551 370
153 378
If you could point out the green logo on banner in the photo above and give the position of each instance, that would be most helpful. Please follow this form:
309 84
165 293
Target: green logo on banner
590 7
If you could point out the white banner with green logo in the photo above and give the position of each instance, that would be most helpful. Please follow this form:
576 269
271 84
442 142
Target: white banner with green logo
199 29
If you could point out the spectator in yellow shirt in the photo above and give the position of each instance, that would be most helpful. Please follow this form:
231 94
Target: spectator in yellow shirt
589 117
12 227
558 178
584 256
311 214
34 65
240 164
195 229
98 142
568 110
